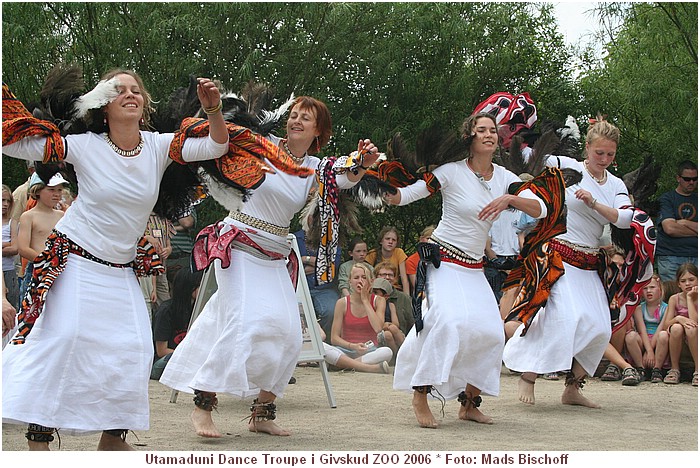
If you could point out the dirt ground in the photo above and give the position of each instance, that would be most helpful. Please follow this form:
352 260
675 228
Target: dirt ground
371 416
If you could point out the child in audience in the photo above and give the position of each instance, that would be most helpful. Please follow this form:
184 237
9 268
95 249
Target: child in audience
357 250
9 247
648 344
391 335
36 224
681 321
389 251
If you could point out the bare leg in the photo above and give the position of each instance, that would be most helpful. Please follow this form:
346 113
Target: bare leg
675 345
634 345
469 409
204 426
572 388
110 442
422 409
526 388
661 351
692 334
262 419
38 446
346 362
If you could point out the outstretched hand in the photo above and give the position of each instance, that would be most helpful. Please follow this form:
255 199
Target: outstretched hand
208 93
371 153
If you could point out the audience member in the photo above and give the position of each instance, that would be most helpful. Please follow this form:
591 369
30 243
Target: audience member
172 318
8 317
401 300
9 247
677 227
36 224
648 344
323 296
502 247
182 243
358 319
681 321
21 194
388 251
357 250
412 260
391 335
335 357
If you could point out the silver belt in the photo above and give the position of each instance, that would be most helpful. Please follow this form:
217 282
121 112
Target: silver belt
259 223
453 251
579 248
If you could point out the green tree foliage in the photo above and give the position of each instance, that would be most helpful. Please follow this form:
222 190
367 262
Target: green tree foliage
647 83
381 67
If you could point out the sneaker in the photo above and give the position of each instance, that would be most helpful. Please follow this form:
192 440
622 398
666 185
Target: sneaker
656 375
630 377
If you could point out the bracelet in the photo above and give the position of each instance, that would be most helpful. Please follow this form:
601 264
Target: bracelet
593 203
213 110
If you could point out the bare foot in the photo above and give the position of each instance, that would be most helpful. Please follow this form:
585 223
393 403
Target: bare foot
526 388
203 424
422 410
113 443
573 396
473 414
268 427
38 446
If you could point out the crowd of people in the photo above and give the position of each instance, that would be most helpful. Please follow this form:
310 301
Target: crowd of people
447 317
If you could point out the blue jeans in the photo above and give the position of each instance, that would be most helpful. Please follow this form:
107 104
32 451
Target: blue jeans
24 285
667 265
324 305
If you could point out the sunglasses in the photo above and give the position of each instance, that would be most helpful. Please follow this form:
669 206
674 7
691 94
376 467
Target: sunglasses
689 179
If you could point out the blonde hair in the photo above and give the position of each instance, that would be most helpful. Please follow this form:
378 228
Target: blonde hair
368 273
601 128
5 189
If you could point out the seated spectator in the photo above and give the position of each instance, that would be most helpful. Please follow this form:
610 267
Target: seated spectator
388 251
323 296
172 318
337 358
647 344
357 250
413 259
391 335
401 300
681 321
358 318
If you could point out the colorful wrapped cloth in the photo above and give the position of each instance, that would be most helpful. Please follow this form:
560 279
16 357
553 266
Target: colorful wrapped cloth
538 266
18 123
244 165
625 289
395 174
51 262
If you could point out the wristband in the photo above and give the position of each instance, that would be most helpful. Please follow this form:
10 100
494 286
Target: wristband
213 110
593 203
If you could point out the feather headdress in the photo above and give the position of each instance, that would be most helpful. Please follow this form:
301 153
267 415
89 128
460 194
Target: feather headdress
105 92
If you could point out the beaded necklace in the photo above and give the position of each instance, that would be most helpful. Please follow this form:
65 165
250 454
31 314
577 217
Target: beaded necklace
122 152
601 180
296 159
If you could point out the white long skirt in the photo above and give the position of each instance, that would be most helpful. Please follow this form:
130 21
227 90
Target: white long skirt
462 339
575 324
86 363
248 336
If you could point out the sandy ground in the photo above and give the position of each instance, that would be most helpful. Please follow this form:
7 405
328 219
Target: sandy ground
371 416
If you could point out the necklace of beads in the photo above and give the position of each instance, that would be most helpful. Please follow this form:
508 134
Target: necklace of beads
600 180
296 159
122 152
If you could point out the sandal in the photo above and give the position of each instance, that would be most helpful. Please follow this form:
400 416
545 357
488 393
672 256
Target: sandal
612 373
673 377
695 379
630 377
551 376
656 375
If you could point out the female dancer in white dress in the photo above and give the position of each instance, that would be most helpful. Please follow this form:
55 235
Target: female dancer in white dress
85 365
248 337
459 350
573 330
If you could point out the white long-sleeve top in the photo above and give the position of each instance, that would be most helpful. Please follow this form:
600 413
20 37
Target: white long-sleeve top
116 193
584 226
463 197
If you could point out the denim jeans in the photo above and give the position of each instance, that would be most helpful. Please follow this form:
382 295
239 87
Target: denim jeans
667 265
